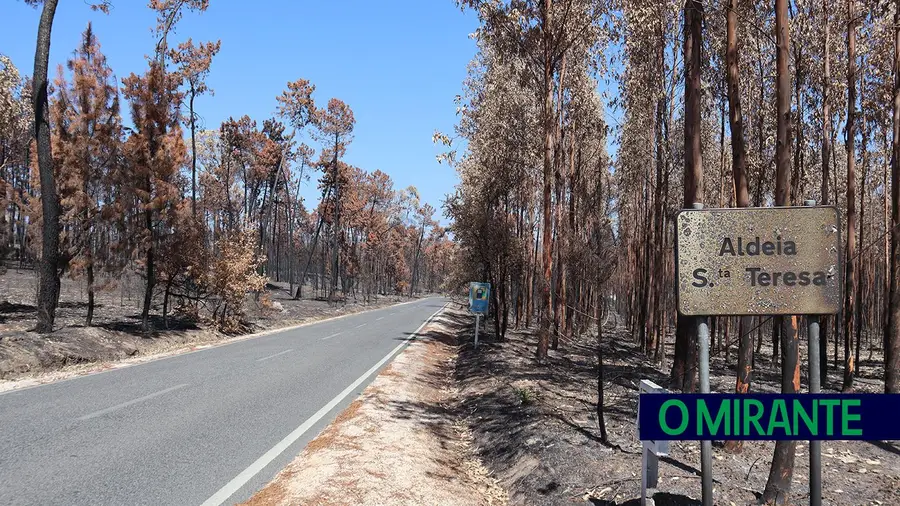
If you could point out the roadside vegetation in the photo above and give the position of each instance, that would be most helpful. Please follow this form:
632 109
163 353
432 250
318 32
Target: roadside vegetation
154 223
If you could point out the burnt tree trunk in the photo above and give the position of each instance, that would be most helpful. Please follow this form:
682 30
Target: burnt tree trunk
826 157
48 290
892 341
336 261
547 226
601 420
741 192
684 367
850 255
778 485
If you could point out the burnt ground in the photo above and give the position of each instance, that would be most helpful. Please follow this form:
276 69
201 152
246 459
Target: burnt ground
535 428
115 333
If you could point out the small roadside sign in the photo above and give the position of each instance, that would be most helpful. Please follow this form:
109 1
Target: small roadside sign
659 448
652 449
479 297
758 261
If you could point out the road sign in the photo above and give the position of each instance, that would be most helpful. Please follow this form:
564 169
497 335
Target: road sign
758 261
659 448
479 296
652 450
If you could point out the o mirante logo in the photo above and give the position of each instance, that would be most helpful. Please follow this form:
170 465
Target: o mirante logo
768 416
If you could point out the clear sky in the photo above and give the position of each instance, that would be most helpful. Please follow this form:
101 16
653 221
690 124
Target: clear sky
397 64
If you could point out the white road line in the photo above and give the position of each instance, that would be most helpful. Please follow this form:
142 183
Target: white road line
129 403
247 474
332 335
361 326
379 319
275 355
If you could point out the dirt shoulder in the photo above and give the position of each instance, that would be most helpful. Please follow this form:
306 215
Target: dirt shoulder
536 429
401 443
115 339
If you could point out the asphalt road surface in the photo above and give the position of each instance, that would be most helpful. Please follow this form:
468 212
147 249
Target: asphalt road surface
204 428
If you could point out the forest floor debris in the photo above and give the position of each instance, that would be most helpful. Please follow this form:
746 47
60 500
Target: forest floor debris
535 427
115 337
400 443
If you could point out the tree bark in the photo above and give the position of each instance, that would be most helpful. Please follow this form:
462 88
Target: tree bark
778 485
547 228
151 259
850 272
684 367
193 156
48 290
826 157
741 191
892 342
601 419
337 221
415 269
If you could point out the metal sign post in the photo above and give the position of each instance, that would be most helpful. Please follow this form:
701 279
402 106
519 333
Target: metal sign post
652 450
759 261
479 298
705 445
477 325
815 386
815 447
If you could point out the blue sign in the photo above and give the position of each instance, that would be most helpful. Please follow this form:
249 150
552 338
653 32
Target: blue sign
479 295
769 416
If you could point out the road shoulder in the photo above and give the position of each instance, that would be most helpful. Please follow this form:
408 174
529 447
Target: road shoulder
402 442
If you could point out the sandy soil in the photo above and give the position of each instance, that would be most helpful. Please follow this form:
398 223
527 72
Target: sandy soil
115 338
536 429
400 443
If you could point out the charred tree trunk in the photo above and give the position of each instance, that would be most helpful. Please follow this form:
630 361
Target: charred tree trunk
892 341
337 223
559 293
741 192
684 367
826 157
90 289
850 255
193 153
861 266
48 290
778 485
151 262
601 420
547 228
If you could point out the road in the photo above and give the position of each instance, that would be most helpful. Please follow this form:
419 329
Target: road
204 428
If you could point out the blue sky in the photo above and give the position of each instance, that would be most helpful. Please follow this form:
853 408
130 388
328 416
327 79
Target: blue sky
397 64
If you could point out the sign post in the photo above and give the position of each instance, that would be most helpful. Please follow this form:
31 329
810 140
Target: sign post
758 261
477 325
652 450
815 386
479 298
